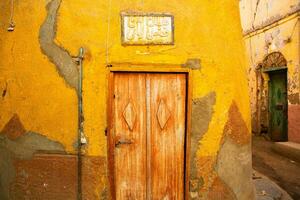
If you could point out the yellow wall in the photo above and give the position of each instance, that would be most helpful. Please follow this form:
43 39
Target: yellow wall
35 87
190 17
209 30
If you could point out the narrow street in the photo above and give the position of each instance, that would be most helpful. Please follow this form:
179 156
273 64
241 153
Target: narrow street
281 170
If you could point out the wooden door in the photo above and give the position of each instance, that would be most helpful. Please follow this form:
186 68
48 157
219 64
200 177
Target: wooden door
148 136
278 105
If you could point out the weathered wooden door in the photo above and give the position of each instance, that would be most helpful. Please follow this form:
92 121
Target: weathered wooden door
278 105
148 135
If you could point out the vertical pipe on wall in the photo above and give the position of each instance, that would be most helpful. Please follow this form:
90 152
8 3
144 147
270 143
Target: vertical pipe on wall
81 138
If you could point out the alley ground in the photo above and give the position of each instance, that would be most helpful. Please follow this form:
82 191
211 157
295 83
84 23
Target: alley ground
281 170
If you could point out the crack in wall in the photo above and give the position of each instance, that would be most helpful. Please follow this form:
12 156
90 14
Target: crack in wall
255 12
56 54
271 20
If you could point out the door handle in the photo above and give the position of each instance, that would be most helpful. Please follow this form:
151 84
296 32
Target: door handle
122 142
279 106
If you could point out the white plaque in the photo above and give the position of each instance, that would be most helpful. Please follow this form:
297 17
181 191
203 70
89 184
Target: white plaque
147 29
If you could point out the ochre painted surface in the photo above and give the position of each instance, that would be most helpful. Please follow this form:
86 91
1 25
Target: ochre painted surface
191 19
33 85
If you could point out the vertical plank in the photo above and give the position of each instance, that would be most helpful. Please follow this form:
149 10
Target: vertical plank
168 98
148 132
187 133
110 136
130 136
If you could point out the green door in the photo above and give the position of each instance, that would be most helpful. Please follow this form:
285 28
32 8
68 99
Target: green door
278 105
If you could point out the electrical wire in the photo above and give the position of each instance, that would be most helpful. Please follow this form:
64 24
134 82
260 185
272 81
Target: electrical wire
11 18
108 31
11 12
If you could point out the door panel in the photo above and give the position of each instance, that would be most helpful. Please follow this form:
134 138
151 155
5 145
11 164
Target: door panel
278 106
130 136
167 135
149 111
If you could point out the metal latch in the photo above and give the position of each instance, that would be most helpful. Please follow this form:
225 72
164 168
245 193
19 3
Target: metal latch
122 141
279 106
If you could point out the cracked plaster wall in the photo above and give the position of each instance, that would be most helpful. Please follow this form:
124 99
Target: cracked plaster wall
259 13
38 79
283 38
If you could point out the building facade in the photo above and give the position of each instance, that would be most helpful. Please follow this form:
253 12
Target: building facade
271 32
123 100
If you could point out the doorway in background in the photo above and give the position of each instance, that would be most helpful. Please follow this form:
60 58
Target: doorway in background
278 105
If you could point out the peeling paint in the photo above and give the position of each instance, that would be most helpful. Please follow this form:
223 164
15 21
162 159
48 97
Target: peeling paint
219 190
7 172
234 166
202 110
3 87
272 17
66 25
23 146
14 128
56 54
294 86
234 161
94 178
45 176
235 127
192 63
294 98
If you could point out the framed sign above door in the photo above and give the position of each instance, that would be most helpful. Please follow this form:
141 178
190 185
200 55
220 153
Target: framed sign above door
147 29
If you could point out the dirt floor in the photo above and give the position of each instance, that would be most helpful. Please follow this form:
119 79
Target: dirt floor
281 170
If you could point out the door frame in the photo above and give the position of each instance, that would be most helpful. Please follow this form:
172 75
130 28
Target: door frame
110 143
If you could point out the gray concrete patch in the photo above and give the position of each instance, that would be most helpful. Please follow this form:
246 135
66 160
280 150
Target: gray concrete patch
192 63
56 54
234 166
202 110
7 172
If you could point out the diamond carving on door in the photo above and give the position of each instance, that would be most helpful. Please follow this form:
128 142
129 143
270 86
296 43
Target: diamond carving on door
129 115
163 114
146 164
